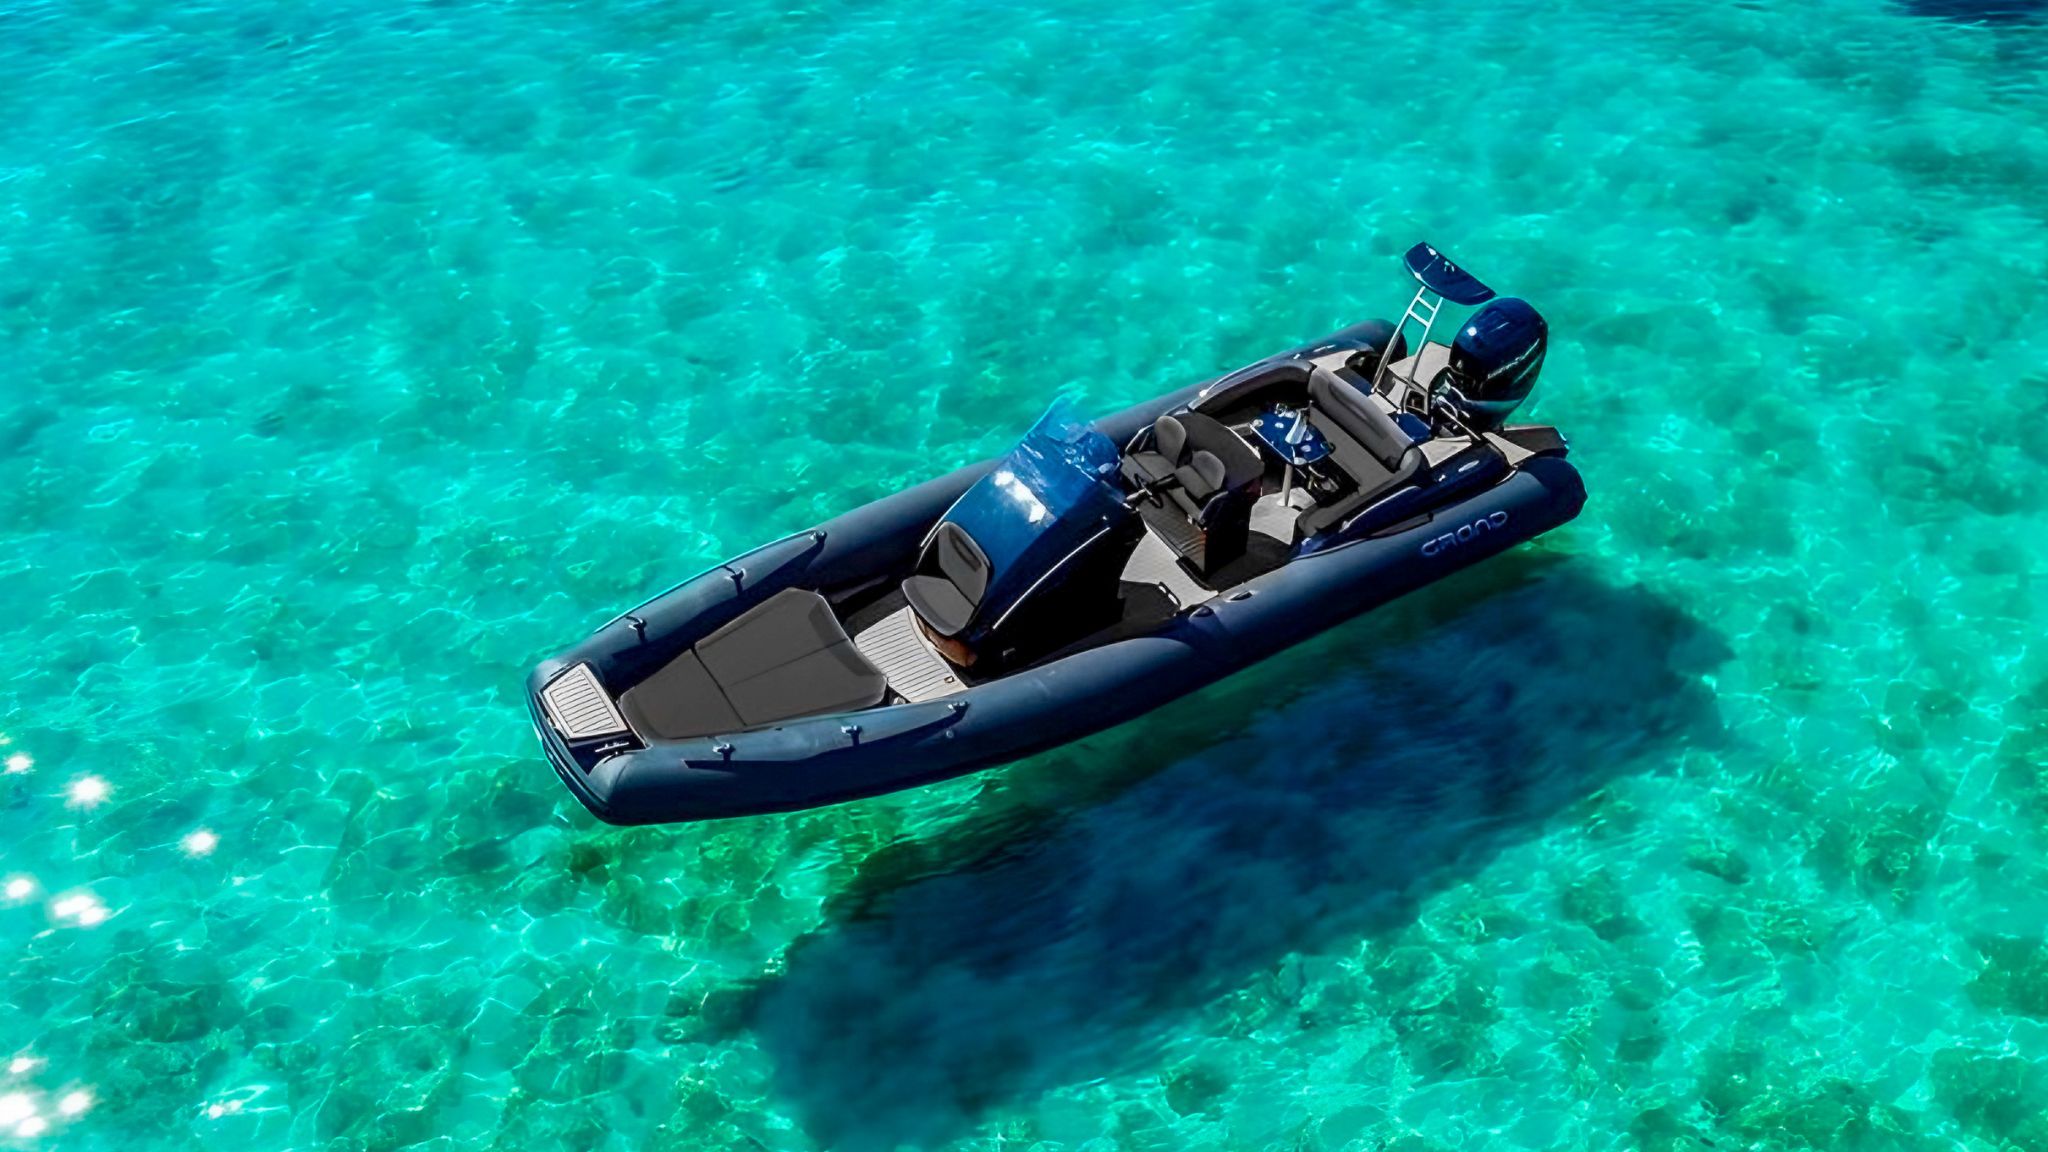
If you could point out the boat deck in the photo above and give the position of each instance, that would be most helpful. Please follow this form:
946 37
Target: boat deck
913 668
1156 561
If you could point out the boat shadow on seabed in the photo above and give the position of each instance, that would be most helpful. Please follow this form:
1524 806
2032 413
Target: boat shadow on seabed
1097 895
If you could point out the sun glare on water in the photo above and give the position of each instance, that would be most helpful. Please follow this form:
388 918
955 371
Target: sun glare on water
81 908
87 792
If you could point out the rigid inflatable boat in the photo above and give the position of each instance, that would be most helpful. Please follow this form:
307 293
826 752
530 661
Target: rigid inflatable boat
1096 572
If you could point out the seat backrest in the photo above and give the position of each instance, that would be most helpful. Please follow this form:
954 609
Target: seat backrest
1209 467
1360 417
1241 465
1170 439
958 558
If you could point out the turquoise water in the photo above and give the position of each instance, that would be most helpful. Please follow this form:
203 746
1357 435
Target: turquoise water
356 355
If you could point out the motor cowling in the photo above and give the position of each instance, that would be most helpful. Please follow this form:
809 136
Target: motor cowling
1494 363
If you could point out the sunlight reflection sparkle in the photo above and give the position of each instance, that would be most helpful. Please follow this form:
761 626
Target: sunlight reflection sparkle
88 791
82 907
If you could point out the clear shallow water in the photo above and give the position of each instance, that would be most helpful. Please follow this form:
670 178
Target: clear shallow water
354 358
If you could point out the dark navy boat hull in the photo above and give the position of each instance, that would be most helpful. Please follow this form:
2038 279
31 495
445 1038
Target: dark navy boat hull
829 759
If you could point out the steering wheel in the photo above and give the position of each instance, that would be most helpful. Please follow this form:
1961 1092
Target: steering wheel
1151 491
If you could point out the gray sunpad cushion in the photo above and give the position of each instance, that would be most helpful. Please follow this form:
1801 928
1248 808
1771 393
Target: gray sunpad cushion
679 701
792 623
1354 460
786 657
829 680
1350 410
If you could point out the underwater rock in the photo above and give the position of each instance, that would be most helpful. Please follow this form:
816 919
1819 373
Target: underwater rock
2003 1098
1194 1087
1597 902
2014 978
1719 862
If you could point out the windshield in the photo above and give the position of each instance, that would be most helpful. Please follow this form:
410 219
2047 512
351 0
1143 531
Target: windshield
1058 464
1054 492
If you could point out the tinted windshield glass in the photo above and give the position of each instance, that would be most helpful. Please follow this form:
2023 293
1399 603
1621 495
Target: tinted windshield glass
1059 464
1054 491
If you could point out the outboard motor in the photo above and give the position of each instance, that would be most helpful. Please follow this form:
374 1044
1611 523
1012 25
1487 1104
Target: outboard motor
1494 363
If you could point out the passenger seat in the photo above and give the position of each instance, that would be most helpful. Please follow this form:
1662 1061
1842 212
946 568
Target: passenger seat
1367 445
1206 511
951 577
